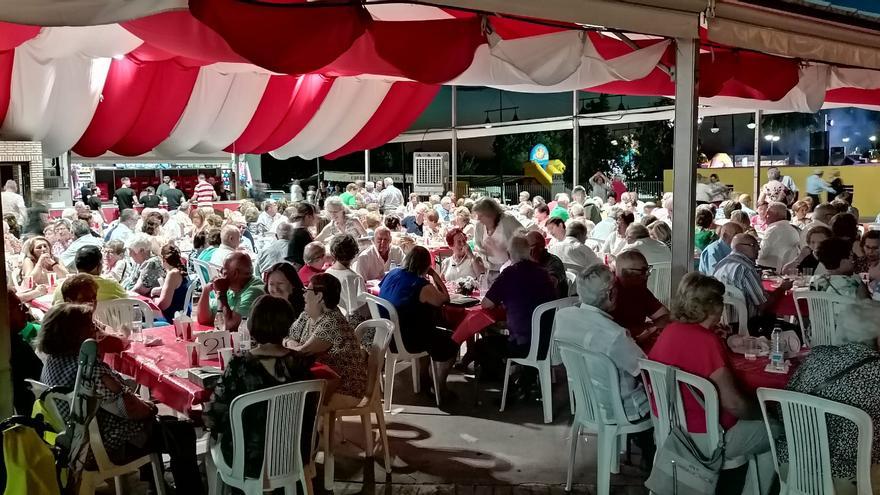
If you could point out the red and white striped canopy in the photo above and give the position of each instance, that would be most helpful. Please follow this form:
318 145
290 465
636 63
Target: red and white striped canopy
319 79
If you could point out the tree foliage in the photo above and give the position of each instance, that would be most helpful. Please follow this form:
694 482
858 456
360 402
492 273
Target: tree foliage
512 150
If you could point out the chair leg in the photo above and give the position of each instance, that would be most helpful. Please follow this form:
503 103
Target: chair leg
367 423
504 388
546 392
417 384
390 364
117 484
87 485
570 397
329 462
383 436
605 461
436 383
156 461
572 454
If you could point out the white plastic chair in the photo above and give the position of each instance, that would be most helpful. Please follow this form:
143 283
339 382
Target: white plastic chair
203 271
660 281
188 300
571 276
573 267
351 296
52 401
735 309
823 310
806 434
375 303
654 378
371 404
118 312
535 361
283 465
597 411
106 468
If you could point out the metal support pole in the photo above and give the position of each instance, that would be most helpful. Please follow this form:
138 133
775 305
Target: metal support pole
575 139
5 350
454 157
684 157
366 165
756 174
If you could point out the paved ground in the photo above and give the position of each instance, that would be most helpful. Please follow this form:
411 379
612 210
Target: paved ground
470 449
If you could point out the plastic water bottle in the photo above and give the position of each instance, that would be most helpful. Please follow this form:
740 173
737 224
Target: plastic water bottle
137 324
219 321
244 337
484 284
776 354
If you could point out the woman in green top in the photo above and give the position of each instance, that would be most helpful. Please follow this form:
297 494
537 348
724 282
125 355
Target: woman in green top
704 233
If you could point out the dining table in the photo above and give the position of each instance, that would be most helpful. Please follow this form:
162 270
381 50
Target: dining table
162 367
751 373
785 306
43 303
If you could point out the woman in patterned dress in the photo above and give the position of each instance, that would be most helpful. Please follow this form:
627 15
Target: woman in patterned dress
323 331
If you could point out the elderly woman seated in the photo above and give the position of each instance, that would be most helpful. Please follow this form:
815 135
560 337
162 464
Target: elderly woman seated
463 263
128 425
838 279
322 331
268 364
690 344
416 300
315 258
806 262
855 354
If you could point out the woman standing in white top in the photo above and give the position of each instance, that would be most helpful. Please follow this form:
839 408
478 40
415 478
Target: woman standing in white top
340 222
493 230
462 263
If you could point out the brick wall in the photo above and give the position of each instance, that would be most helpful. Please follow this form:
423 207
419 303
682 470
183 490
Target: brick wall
30 152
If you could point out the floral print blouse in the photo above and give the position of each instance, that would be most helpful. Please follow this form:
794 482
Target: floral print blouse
346 356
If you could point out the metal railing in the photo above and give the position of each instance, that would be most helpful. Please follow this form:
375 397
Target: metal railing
647 190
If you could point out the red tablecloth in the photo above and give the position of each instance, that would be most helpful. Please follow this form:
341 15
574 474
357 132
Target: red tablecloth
154 368
785 306
751 374
468 322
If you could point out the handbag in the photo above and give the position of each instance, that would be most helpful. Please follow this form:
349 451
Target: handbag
680 467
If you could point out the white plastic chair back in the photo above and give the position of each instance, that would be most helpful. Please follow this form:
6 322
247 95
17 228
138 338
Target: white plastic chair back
654 377
804 420
383 330
735 309
823 310
571 276
660 281
375 303
537 316
585 369
118 312
203 271
573 267
283 464
188 302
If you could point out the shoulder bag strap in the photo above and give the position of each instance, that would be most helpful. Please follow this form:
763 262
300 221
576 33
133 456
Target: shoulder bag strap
840 374
672 397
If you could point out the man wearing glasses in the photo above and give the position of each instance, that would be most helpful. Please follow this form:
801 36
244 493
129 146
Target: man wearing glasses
639 311
738 270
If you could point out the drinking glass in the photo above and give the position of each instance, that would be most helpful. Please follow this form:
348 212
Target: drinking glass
137 324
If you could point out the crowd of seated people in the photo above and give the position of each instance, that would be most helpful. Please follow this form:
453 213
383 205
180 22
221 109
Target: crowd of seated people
295 274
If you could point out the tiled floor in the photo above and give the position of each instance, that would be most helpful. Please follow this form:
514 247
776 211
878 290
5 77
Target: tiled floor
469 449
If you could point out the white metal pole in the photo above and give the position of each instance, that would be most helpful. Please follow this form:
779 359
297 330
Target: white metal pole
454 157
5 340
575 139
684 157
366 165
756 174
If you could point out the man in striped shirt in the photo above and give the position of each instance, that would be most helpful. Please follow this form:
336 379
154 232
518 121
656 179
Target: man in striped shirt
738 270
204 192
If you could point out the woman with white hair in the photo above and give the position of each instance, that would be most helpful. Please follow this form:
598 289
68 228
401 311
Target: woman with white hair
849 373
491 235
340 221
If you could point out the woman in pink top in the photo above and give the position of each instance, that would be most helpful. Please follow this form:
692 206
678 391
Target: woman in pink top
689 343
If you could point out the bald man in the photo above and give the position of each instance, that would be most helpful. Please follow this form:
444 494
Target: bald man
718 250
782 240
230 240
738 270
236 290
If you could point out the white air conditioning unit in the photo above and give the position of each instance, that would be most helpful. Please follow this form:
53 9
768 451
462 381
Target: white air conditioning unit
430 172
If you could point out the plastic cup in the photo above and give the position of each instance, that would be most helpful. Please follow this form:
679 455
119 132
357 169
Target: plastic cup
225 355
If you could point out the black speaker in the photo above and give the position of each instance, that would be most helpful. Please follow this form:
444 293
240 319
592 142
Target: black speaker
838 155
819 148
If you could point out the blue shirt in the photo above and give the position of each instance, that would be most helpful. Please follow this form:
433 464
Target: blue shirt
713 253
402 288
409 223
815 185
443 213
